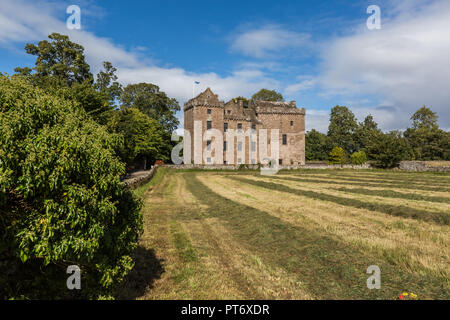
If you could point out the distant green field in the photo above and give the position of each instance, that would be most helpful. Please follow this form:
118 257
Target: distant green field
308 234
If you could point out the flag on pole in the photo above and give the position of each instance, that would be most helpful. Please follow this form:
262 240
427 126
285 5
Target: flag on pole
193 86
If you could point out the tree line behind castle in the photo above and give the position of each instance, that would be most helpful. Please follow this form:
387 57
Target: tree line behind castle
348 141
66 138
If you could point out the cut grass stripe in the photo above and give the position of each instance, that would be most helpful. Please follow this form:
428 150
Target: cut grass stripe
441 218
393 194
360 182
329 268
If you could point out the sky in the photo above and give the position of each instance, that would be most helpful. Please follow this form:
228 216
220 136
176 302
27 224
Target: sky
318 53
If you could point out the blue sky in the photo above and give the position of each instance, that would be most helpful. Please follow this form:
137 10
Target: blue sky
319 53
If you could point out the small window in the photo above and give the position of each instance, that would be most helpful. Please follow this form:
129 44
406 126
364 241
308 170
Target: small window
284 139
239 126
239 146
225 127
253 126
208 125
229 111
280 162
208 145
209 111
292 123
224 146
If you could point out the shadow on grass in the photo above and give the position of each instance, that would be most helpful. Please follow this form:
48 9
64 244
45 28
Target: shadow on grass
147 269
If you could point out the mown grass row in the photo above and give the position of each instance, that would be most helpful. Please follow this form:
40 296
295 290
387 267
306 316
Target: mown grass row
328 267
441 218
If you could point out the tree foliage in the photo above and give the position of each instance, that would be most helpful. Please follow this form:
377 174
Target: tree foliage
428 142
317 147
144 136
358 158
61 200
337 156
389 149
268 95
59 58
151 101
342 128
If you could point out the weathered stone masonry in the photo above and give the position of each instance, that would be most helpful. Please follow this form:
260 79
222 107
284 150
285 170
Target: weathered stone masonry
235 114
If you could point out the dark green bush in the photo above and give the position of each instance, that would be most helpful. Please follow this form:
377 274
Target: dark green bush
61 200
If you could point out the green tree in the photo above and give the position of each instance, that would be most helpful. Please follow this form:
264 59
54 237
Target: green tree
337 156
107 82
316 147
358 158
143 136
59 58
61 199
389 149
268 95
365 133
61 69
426 139
151 101
342 128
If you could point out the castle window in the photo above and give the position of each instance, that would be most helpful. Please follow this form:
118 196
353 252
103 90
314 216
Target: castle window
253 126
225 127
208 125
239 126
240 146
285 139
292 123
224 146
280 162
209 111
208 145
229 111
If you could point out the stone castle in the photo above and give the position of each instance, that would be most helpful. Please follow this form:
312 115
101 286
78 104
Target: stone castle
206 113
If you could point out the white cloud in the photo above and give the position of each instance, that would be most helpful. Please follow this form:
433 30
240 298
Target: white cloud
267 40
300 86
407 62
28 21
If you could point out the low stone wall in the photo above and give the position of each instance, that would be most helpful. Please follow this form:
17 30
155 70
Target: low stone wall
439 166
140 178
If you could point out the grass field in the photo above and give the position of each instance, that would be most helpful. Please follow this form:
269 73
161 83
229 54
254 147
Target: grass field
297 235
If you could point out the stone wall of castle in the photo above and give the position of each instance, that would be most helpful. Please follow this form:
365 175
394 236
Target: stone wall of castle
206 109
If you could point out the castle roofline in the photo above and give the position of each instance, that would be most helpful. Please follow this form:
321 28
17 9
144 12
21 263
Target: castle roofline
206 98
